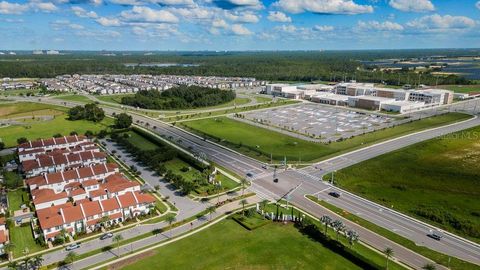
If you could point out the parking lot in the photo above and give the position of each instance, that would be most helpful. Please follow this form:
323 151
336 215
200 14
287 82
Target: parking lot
319 122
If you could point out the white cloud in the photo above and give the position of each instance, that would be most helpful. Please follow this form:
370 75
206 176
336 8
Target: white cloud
198 13
253 4
173 2
438 23
323 6
379 26
242 17
82 13
240 30
277 16
127 2
219 23
287 28
65 24
323 28
146 14
43 6
412 5
478 4
12 8
108 21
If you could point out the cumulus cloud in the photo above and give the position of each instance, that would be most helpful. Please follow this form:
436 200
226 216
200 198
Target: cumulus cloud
323 28
127 2
438 23
323 6
82 13
197 12
65 24
412 5
108 21
478 4
277 16
173 2
219 23
242 17
12 8
43 6
379 26
240 30
232 4
146 14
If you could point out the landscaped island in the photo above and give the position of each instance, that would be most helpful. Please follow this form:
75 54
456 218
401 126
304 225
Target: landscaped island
180 97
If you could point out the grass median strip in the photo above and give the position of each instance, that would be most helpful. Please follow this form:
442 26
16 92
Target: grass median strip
431 254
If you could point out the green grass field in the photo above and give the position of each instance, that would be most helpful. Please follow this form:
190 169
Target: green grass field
22 237
437 181
113 98
75 98
37 128
462 88
227 245
249 139
15 199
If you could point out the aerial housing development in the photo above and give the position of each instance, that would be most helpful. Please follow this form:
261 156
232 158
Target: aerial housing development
74 189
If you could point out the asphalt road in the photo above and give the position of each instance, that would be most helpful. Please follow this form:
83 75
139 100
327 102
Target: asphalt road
264 187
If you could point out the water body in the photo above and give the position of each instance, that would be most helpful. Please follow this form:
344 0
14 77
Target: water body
467 68
161 65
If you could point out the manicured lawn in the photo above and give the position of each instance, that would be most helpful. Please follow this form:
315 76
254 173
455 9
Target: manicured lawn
261 142
39 128
176 165
462 88
437 181
140 141
15 199
22 237
227 245
113 98
261 99
76 98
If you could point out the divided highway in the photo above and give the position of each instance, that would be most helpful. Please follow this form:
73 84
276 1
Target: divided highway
310 177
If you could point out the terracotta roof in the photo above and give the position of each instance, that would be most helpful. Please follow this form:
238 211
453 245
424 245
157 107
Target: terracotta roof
47 195
78 191
51 217
53 234
91 208
3 236
97 193
73 214
115 216
52 141
144 197
2 221
90 182
127 200
117 182
110 204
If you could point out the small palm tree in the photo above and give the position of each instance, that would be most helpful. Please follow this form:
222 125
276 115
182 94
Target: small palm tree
38 261
326 220
243 203
13 265
211 209
388 254
429 266
352 237
338 226
71 257
26 262
117 239
244 183
264 204
170 219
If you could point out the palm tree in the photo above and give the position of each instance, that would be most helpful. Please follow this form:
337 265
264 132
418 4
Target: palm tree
70 257
26 262
388 254
327 221
352 237
244 183
13 265
37 261
338 226
218 188
104 221
9 249
117 239
429 266
170 219
211 210
263 204
243 203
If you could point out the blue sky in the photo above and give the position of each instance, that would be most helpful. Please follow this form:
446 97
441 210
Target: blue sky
238 24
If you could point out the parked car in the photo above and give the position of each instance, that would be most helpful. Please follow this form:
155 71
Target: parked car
275 180
249 174
72 246
334 194
264 167
106 236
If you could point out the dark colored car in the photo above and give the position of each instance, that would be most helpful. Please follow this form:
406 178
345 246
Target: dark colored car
275 180
106 236
334 194
249 174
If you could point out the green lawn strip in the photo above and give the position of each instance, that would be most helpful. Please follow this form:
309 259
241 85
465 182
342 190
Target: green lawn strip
75 98
261 99
22 238
364 250
9 109
16 199
113 98
140 141
252 222
269 247
159 219
438 257
193 116
19 92
462 88
245 138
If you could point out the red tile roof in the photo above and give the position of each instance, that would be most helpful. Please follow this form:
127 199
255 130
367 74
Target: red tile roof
110 204
47 195
91 208
52 141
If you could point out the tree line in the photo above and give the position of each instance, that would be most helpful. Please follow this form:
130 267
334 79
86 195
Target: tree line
181 97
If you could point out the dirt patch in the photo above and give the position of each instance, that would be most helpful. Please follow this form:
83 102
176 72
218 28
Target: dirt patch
131 260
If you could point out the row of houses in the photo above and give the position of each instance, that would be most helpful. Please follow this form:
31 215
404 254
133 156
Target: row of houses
365 96
74 189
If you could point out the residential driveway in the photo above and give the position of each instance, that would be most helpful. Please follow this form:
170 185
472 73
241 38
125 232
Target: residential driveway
186 206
